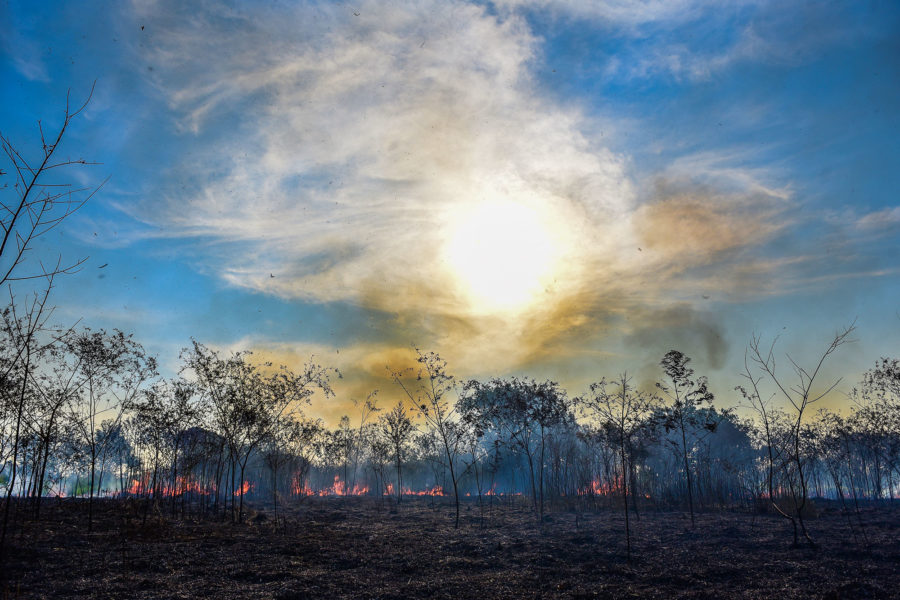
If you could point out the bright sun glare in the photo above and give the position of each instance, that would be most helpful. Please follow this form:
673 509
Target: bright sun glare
504 255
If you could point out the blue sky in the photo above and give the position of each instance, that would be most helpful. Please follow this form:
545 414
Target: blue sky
560 188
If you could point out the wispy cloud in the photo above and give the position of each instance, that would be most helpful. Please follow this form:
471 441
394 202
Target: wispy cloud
19 42
883 220
357 138
634 13
696 40
330 153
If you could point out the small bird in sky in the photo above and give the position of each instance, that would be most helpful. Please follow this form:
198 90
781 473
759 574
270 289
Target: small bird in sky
103 265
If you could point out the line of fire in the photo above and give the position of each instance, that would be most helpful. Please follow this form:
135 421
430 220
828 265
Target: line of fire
204 445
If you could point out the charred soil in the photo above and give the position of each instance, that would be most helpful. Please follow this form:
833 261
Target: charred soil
365 548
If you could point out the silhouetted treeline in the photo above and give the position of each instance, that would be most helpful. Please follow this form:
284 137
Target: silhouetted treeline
84 413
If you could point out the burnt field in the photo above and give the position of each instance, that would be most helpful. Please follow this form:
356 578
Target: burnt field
363 548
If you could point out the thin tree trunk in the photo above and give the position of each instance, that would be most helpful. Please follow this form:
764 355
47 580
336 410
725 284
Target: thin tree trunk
687 473
625 502
91 494
15 459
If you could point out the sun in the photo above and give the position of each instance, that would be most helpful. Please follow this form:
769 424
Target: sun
503 254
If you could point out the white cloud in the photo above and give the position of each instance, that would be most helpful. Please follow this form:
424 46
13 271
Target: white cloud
22 49
334 153
625 12
695 40
720 169
352 140
880 220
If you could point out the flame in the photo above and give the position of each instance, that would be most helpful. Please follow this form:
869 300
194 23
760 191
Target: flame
136 488
493 492
595 489
182 485
338 488
598 488
303 491
298 490
435 491
143 486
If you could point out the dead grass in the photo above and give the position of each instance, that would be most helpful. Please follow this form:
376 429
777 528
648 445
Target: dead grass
359 548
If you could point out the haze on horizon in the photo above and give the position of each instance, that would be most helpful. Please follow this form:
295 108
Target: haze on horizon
551 188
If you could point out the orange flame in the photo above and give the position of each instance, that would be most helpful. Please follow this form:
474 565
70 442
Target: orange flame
338 488
245 487
493 492
595 489
135 488
341 488
435 491
183 485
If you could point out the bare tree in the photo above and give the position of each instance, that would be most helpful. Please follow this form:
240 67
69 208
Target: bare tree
305 435
248 403
164 416
53 387
21 350
835 435
398 429
367 408
429 395
525 411
624 409
880 391
39 203
798 397
111 369
275 453
687 395
379 459
30 207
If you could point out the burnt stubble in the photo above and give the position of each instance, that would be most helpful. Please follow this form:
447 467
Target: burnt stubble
367 548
